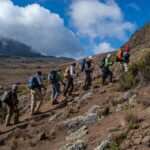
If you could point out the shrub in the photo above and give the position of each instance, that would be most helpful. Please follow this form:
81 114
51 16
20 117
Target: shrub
113 146
138 72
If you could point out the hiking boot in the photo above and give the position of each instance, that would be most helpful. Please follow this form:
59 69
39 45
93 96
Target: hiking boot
55 102
8 124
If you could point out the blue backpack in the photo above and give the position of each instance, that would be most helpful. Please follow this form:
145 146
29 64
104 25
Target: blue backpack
33 83
53 76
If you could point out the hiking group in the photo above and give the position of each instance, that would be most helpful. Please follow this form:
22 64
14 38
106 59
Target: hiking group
57 78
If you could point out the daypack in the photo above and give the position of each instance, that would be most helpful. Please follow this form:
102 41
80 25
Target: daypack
6 98
33 83
82 65
53 76
119 55
67 73
102 62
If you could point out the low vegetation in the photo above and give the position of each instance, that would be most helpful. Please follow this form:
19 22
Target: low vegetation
138 73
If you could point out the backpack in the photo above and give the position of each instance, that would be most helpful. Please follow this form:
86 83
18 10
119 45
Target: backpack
102 62
82 65
119 55
67 73
6 98
33 83
53 76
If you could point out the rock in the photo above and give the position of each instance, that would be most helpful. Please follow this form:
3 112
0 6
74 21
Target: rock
78 134
42 136
104 144
81 120
137 141
146 141
132 100
102 91
145 125
94 109
78 145
119 108
54 117
124 97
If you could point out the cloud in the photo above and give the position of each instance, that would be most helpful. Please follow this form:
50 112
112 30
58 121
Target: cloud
39 28
103 48
97 19
134 6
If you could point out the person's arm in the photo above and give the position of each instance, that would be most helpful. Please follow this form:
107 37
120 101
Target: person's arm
40 82
72 72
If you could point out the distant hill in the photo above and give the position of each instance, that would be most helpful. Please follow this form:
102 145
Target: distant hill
9 47
12 49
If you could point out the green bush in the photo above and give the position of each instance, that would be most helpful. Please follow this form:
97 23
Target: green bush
138 72
113 146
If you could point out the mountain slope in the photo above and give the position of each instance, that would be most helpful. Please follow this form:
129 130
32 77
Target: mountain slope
141 38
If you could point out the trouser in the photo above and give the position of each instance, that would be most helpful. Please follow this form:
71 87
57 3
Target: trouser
124 66
88 81
36 100
106 73
55 91
10 112
69 86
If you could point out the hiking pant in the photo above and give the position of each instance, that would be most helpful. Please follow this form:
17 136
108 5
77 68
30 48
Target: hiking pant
10 112
69 86
124 66
36 100
88 81
106 73
55 91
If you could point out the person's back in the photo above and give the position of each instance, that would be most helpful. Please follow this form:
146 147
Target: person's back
12 102
36 94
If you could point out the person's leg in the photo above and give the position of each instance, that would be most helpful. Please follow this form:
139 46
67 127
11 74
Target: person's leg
33 101
71 85
9 115
104 76
110 74
16 117
40 100
85 82
67 86
53 93
125 67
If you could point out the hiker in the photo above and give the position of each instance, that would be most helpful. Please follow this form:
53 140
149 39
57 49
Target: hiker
82 65
105 69
36 85
69 75
10 98
123 57
55 78
88 70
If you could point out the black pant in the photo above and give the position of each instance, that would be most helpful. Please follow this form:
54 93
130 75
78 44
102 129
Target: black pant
88 81
69 86
106 73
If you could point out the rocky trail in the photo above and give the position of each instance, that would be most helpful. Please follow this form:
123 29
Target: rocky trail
83 121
